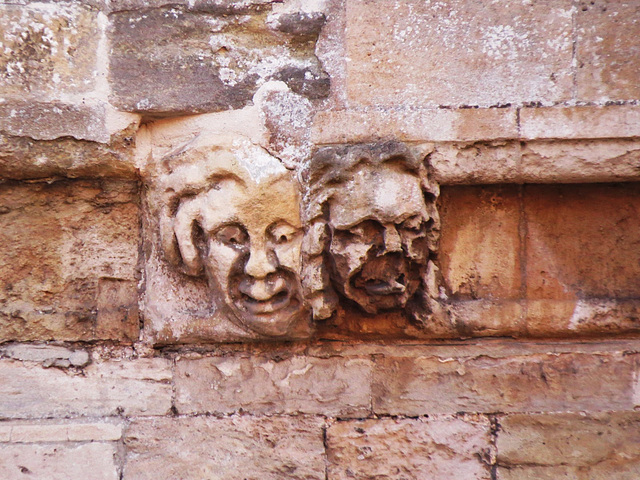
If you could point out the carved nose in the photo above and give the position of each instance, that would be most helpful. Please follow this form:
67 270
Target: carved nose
259 264
392 240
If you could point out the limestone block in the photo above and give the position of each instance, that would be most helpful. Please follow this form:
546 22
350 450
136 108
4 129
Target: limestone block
48 50
64 243
480 242
48 355
234 448
394 449
138 387
517 383
607 52
486 317
582 241
171 60
483 163
579 317
58 462
604 445
456 53
25 158
587 122
213 6
67 431
607 160
410 125
332 386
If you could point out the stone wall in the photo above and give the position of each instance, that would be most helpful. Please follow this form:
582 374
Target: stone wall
125 353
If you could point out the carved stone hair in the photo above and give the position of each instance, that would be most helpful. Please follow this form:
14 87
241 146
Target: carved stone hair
329 169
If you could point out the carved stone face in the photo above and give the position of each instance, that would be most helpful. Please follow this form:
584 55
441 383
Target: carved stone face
378 246
246 235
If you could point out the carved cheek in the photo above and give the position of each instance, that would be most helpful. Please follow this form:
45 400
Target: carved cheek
220 262
350 254
288 255
417 249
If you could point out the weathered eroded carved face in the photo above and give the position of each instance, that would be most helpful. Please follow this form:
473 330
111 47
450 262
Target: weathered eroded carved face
378 245
243 231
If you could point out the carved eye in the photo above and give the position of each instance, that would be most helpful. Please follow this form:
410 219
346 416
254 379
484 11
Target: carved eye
413 224
283 233
366 229
232 236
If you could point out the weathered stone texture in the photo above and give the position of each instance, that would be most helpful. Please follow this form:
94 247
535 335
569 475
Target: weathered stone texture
234 448
66 245
584 122
66 431
25 158
171 60
480 246
607 50
134 387
458 53
258 385
519 383
48 51
390 449
439 125
582 241
58 462
580 161
571 446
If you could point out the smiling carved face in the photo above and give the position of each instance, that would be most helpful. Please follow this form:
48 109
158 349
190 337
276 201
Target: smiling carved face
250 238
378 248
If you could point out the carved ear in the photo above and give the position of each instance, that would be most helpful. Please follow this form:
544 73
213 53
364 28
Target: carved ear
187 215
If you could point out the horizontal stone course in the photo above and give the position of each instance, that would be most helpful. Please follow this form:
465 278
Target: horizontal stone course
58 462
71 431
529 383
134 387
394 449
569 446
234 448
258 385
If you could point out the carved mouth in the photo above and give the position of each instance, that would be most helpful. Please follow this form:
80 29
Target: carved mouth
264 297
386 287
260 307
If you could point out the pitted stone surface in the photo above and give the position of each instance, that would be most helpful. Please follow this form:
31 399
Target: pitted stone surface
234 448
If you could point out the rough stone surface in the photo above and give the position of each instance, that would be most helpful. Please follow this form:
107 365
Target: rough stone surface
580 161
331 386
572 446
49 51
482 163
606 51
582 241
48 356
526 383
173 61
137 387
457 53
25 158
60 240
46 431
59 462
390 449
585 122
439 125
234 448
